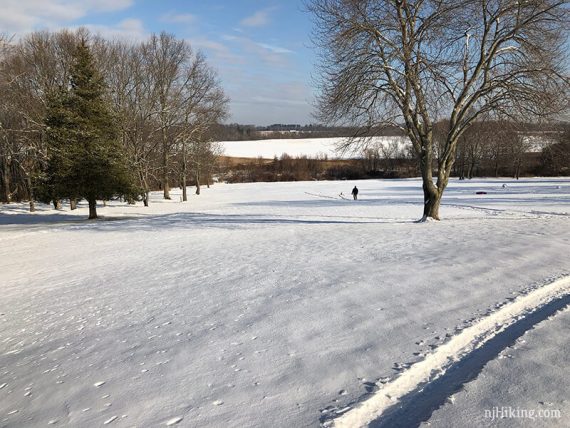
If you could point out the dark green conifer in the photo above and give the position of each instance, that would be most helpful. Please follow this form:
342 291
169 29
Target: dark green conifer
86 159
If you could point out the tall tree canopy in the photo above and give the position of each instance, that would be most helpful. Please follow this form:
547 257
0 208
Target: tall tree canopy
86 159
410 63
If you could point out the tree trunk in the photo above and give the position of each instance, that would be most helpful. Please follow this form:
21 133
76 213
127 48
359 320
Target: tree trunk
197 181
184 167
432 195
31 194
432 200
92 208
166 187
73 203
6 195
56 204
144 184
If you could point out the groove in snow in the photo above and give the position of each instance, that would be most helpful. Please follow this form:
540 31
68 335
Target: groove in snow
437 363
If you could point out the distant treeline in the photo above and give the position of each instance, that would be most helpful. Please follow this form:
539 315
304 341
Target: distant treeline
239 132
488 149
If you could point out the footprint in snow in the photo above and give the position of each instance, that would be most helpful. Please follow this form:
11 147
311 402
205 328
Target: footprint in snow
218 403
111 419
174 421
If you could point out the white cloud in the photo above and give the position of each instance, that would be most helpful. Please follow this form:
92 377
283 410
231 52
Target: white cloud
217 50
107 5
269 54
258 19
178 18
275 49
20 16
128 29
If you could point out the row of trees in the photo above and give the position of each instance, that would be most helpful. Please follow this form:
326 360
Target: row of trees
506 148
148 109
486 149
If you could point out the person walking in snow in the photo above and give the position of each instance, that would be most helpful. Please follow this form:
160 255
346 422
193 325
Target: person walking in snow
355 193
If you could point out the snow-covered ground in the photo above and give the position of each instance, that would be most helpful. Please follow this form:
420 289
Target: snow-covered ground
276 304
519 388
311 147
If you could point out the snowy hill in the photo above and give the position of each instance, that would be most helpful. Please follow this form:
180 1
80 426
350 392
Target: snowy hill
282 304
310 147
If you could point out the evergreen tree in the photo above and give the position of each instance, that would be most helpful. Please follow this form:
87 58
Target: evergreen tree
86 159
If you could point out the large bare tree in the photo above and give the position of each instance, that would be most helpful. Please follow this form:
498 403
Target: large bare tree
410 63
204 105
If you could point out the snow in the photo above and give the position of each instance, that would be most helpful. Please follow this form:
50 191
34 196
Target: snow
530 380
310 147
267 304
460 345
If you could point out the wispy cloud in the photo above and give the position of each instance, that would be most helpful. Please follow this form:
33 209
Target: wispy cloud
129 29
178 18
20 16
275 49
258 19
217 50
253 46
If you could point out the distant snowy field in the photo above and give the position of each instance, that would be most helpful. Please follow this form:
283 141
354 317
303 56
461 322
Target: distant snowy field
310 147
274 304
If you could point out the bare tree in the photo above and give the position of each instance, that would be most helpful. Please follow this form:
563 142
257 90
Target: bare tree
5 149
33 68
166 60
205 105
133 97
556 157
409 63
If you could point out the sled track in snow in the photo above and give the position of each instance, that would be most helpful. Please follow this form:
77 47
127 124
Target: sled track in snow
340 197
413 396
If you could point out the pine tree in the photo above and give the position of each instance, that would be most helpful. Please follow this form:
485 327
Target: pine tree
86 159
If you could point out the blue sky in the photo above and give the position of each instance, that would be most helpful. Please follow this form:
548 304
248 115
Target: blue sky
260 48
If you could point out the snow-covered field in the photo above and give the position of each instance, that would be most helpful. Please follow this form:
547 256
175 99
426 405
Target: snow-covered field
284 304
310 147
